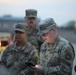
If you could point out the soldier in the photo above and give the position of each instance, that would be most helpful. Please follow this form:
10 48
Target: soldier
16 55
56 53
31 21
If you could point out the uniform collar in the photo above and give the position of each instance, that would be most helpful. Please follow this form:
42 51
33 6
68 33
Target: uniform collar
22 48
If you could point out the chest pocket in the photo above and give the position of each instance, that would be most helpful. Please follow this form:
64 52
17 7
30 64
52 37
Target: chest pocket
50 57
33 39
53 57
19 55
24 56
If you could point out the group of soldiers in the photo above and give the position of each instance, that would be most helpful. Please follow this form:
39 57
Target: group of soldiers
38 49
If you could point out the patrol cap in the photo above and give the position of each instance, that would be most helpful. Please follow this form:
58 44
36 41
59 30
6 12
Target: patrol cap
31 13
46 25
21 27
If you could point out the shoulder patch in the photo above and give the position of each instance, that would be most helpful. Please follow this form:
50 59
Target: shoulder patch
68 56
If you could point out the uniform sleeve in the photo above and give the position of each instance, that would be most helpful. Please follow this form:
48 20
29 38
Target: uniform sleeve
7 58
4 55
66 58
34 56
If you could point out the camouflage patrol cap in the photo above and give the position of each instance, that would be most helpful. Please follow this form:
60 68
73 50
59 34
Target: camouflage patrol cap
46 25
31 13
21 27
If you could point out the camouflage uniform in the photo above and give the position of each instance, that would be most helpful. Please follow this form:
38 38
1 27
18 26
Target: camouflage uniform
56 58
14 58
33 36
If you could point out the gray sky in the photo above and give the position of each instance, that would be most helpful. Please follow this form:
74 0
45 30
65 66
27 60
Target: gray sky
61 10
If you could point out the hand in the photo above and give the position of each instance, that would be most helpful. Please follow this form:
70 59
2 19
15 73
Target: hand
37 68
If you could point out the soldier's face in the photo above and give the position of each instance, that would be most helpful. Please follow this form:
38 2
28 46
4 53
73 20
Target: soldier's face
20 36
31 22
50 36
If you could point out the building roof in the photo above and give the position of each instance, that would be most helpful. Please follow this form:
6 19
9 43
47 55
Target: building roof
8 18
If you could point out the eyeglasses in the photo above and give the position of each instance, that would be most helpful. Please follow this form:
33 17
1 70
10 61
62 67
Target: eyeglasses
45 34
19 32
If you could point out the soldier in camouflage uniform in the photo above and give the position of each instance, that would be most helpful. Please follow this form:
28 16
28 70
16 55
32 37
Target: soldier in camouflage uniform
31 21
56 53
15 55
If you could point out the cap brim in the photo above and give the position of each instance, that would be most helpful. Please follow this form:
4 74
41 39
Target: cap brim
31 16
43 32
19 30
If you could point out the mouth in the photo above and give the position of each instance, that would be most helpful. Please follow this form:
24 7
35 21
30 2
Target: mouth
18 37
30 22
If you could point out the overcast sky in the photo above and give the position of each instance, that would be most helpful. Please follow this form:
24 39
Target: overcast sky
61 10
